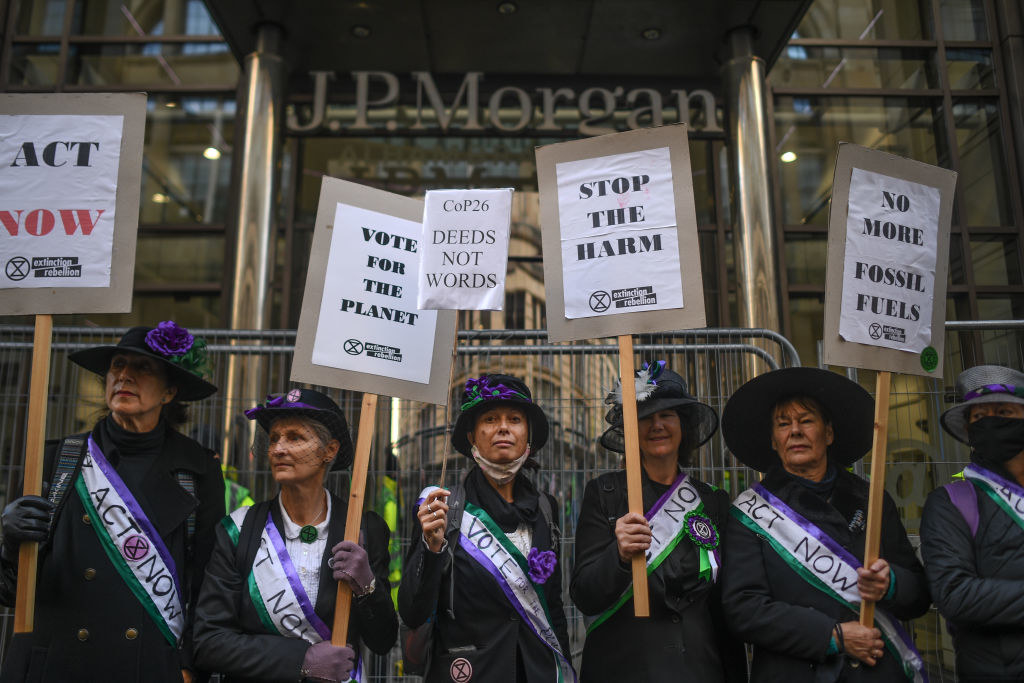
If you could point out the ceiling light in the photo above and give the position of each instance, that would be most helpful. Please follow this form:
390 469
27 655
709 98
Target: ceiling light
788 157
507 8
360 31
160 198
651 33
211 153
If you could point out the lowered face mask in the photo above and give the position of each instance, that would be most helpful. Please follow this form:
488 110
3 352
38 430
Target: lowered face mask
500 472
996 439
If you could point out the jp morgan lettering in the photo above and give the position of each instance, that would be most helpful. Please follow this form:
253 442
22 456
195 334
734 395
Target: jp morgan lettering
507 109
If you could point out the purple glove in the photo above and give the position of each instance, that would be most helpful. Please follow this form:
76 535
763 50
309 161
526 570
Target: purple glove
325 662
350 563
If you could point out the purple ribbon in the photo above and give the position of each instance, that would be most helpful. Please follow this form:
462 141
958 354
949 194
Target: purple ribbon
994 389
293 580
480 389
276 402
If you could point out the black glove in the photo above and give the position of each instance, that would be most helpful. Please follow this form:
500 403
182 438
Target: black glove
26 519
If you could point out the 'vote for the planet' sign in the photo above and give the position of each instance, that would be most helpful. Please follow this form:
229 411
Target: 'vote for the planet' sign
464 249
889 269
620 251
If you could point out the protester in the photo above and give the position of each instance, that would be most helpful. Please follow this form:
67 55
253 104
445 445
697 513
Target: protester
134 506
684 638
794 581
267 605
972 532
495 589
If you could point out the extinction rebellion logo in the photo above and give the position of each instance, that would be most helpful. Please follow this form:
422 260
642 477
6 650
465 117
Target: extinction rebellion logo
890 332
634 296
19 267
354 347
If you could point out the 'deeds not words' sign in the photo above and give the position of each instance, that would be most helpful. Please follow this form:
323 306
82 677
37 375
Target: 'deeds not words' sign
618 227
464 249
889 269
368 319
58 190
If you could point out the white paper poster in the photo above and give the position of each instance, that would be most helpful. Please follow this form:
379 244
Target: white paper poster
58 189
368 317
889 269
620 249
464 249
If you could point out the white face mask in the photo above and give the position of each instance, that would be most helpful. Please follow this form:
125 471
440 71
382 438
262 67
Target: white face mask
500 472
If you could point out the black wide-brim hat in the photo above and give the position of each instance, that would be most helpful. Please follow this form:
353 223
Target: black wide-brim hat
311 404
981 384
160 343
663 389
490 391
747 416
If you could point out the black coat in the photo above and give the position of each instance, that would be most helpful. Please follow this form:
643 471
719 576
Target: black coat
486 629
684 638
88 624
231 639
978 584
788 621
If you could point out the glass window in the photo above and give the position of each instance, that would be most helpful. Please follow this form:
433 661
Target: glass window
996 259
186 170
834 67
143 18
957 274
188 310
865 20
41 17
970 69
154 65
709 273
982 182
806 322
963 19
808 129
806 255
176 258
703 181
34 64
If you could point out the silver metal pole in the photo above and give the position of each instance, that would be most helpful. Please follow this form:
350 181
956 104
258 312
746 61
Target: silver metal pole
753 232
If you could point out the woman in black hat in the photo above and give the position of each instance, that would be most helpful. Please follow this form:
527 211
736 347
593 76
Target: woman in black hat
795 578
683 639
134 506
267 605
485 567
972 531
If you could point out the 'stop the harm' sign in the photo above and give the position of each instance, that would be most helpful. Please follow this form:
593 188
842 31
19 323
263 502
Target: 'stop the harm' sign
888 259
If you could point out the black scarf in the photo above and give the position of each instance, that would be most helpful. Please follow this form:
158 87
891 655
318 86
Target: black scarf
823 488
131 453
524 508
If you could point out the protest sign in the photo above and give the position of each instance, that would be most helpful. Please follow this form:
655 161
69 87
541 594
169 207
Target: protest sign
69 212
621 254
464 249
888 259
885 286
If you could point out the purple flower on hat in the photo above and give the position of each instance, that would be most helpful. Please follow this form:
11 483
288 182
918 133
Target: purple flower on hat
542 565
480 389
168 339
994 389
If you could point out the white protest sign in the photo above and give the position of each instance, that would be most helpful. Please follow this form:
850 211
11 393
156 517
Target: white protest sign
888 259
368 316
70 170
889 272
359 328
617 218
464 249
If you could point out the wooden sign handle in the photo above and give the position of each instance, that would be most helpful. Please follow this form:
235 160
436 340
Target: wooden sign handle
356 499
634 479
877 487
451 380
28 553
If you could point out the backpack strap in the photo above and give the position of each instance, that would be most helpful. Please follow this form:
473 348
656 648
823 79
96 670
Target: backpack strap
69 457
187 481
549 516
456 506
964 497
249 534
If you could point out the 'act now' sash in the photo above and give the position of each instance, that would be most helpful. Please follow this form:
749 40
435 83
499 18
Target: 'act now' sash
131 542
822 563
487 544
673 517
1007 494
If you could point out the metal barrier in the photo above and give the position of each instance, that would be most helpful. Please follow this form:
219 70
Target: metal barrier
569 381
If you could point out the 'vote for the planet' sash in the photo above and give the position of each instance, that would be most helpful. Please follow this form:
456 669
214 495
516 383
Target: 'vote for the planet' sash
822 563
131 542
485 542
1007 494
677 514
